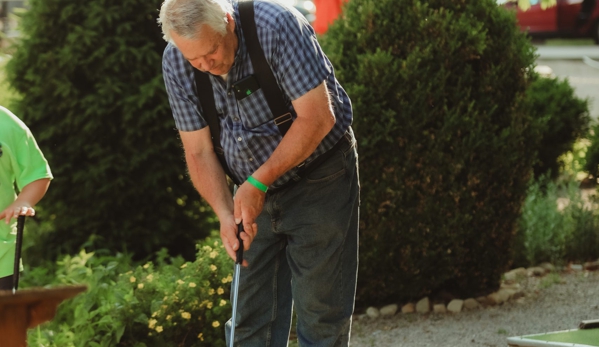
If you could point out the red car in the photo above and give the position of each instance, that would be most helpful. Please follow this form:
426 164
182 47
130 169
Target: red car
568 18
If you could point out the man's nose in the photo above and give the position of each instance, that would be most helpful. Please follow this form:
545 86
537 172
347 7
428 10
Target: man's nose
203 64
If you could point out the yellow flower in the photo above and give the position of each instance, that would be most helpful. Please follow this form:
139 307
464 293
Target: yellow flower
192 285
184 266
213 267
213 254
169 317
159 329
222 302
132 279
220 291
215 324
207 248
216 243
150 277
209 306
180 282
147 265
140 286
186 315
228 279
211 291
155 313
201 336
152 323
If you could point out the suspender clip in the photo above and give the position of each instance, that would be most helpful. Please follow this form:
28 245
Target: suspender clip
282 119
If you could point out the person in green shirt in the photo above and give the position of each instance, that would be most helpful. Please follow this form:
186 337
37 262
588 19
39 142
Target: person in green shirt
22 165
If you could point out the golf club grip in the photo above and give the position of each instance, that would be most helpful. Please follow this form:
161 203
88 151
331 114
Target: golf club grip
18 244
239 253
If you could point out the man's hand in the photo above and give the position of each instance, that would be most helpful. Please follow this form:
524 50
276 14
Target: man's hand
228 234
249 202
15 210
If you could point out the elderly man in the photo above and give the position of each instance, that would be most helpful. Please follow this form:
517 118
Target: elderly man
296 171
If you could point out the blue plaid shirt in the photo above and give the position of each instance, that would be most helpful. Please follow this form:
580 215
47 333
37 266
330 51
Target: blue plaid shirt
248 134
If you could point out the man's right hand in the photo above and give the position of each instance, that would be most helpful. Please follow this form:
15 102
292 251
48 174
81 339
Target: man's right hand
228 234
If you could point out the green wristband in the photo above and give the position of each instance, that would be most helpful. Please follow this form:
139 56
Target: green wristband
257 184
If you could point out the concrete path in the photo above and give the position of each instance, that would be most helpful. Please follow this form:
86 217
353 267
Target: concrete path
567 52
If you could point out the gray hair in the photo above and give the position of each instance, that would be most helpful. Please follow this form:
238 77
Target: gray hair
185 17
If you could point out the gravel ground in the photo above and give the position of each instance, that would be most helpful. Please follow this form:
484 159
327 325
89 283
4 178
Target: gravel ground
554 302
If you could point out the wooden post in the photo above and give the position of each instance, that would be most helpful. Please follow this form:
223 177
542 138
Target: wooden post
28 308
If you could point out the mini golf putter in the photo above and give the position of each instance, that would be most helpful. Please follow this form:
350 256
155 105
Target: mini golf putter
238 261
18 244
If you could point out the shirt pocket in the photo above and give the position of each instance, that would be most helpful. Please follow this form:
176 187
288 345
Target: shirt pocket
254 110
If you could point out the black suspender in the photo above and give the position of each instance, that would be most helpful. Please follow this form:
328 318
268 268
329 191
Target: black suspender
206 100
266 80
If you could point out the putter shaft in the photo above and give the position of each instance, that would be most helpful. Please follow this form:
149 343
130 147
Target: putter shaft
18 246
238 261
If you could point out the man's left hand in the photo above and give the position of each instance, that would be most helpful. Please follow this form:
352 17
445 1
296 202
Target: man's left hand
249 202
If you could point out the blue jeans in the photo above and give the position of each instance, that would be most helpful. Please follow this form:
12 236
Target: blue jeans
304 255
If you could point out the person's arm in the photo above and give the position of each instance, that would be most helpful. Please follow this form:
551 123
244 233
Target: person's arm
30 195
315 119
208 177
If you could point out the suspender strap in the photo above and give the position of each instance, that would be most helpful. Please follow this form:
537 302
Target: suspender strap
263 72
266 80
206 101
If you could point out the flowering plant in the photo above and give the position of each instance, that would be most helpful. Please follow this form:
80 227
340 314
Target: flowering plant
165 303
184 302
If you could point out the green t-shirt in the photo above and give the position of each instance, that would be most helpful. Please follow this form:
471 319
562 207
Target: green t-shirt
21 162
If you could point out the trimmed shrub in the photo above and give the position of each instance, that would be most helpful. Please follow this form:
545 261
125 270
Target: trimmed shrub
446 149
163 304
92 92
561 118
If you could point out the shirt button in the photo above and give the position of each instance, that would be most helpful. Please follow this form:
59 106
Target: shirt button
239 138
229 93
236 119
251 159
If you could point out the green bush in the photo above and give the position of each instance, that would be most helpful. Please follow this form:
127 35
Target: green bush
6 94
561 118
557 225
89 74
446 149
166 304
591 165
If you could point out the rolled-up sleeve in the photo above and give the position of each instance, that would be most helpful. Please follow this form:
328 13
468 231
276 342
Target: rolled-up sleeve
179 84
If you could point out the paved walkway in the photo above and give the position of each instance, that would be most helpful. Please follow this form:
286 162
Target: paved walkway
567 52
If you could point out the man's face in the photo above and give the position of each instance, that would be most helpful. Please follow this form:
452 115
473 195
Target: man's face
211 52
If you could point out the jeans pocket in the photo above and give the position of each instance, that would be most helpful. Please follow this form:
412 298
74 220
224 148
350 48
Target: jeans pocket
329 170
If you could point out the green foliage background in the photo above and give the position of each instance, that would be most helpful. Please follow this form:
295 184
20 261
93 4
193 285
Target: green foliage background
560 117
92 93
591 164
445 148
557 225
